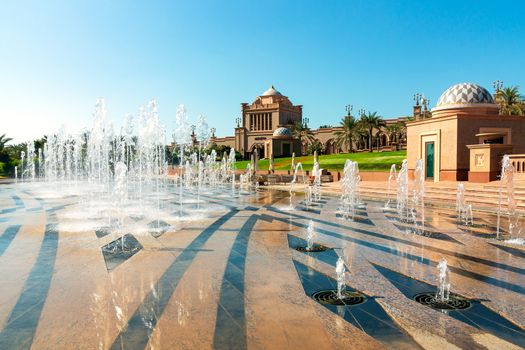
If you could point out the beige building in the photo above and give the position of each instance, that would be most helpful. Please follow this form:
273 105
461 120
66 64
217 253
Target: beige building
255 129
267 123
465 137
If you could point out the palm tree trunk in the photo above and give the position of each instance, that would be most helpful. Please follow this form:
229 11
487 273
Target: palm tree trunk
370 146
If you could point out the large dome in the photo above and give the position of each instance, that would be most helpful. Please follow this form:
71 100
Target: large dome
282 132
465 93
271 92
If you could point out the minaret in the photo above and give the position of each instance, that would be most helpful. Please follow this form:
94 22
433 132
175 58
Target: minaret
416 110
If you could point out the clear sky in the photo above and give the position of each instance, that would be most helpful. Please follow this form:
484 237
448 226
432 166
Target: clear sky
57 57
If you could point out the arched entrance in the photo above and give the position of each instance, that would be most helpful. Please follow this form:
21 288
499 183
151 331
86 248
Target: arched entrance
260 150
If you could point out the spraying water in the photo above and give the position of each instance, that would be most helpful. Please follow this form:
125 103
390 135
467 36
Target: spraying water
120 191
182 136
310 234
293 182
513 217
417 211
231 164
463 209
340 271
391 177
317 173
350 199
308 197
402 191
443 291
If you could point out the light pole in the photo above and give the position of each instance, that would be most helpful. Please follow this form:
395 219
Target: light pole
417 98
238 121
498 84
305 122
349 110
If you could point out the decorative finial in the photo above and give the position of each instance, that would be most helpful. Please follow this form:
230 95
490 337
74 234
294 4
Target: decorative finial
349 110
418 98
498 84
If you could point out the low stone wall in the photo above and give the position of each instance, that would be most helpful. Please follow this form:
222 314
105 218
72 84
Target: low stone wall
284 176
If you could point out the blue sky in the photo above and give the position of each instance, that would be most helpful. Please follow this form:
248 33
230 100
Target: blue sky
57 57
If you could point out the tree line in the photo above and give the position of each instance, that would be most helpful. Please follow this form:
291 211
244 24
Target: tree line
352 132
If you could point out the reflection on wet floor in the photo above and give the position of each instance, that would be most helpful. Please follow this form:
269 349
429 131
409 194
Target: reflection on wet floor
121 276
476 315
368 316
120 250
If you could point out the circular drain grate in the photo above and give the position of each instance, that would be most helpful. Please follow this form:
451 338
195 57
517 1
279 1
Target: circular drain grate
316 248
454 302
330 297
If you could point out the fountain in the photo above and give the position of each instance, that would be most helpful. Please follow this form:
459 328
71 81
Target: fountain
22 157
308 197
293 182
310 234
463 210
417 210
402 191
182 137
391 177
340 271
202 135
231 166
256 169
513 217
317 173
120 191
443 291
122 174
350 200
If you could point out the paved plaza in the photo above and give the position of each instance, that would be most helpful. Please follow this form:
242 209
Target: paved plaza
231 278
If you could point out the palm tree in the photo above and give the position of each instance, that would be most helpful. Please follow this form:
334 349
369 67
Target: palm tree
348 133
395 131
378 135
371 121
303 133
3 141
392 131
39 143
511 101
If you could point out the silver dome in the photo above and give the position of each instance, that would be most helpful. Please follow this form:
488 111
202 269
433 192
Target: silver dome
465 93
282 132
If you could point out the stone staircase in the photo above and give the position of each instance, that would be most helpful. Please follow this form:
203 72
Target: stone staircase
482 197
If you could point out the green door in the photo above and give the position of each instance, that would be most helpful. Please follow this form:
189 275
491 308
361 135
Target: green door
429 161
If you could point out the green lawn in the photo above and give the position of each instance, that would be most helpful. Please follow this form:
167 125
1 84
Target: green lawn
377 161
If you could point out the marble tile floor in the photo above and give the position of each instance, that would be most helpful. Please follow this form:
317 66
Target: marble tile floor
232 278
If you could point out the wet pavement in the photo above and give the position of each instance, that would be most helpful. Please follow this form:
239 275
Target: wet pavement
228 276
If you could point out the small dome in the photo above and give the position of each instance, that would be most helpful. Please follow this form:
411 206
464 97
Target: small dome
282 132
271 92
465 93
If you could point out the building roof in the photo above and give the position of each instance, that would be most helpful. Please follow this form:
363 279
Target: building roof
282 132
271 92
465 93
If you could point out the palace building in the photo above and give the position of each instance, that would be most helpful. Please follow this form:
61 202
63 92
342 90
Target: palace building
267 123
465 137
